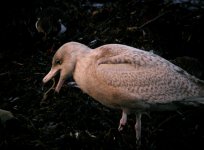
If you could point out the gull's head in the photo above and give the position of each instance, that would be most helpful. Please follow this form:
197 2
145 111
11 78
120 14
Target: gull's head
63 62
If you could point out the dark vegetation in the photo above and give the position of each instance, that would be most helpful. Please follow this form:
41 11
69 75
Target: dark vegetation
72 120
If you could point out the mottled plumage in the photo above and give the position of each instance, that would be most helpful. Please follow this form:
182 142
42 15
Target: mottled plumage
126 78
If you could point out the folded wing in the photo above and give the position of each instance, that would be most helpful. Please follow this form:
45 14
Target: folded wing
144 75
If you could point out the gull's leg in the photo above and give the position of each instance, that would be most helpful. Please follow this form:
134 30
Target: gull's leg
123 120
138 127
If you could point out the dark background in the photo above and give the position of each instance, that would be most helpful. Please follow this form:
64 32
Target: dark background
72 120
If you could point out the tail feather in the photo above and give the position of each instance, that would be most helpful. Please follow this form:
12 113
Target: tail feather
202 92
194 101
175 105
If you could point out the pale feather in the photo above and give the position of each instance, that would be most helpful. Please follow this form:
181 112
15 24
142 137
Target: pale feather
143 76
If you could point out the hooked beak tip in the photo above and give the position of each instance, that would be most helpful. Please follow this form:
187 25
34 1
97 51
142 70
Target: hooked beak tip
44 80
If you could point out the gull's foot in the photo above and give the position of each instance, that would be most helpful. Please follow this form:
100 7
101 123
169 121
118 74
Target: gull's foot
123 121
121 127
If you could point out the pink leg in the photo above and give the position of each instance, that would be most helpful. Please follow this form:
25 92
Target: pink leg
123 120
138 127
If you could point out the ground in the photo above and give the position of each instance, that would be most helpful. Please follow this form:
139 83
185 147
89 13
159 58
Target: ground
72 119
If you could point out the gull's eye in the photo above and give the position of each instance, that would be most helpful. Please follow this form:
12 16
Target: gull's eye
58 62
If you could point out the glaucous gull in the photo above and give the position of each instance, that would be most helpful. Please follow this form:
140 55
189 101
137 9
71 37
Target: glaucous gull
126 78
